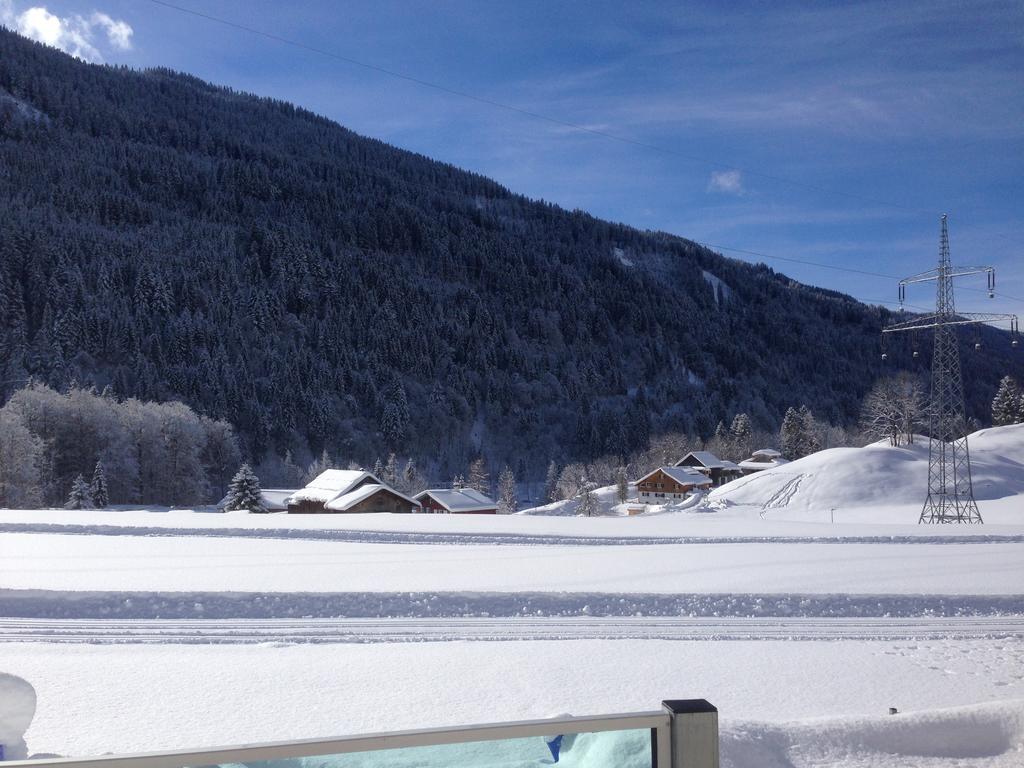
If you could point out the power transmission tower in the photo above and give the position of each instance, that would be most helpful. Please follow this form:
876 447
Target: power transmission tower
950 491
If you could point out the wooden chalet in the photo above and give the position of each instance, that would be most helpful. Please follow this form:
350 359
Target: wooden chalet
719 471
667 484
456 501
349 491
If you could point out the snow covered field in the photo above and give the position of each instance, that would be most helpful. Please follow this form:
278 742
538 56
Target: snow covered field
149 630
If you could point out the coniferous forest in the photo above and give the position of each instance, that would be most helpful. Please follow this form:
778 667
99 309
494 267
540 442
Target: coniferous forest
165 239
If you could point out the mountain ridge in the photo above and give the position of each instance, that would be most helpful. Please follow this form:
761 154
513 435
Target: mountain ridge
176 239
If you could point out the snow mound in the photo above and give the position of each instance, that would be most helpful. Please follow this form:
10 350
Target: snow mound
875 475
979 735
17 708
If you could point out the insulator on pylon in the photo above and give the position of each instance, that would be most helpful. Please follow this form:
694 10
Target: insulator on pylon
916 353
885 356
977 346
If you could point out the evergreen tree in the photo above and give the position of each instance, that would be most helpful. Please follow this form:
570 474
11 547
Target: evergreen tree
98 487
507 502
742 432
394 423
244 492
588 504
412 480
318 466
478 476
458 482
791 435
391 471
810 442
551 483
621 485
378 470
1006 406
79 497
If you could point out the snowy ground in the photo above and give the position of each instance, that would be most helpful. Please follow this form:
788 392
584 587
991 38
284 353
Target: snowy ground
204 629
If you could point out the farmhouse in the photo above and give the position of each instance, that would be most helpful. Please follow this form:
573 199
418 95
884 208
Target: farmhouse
762 459
666 484
719 471
349 490
448 501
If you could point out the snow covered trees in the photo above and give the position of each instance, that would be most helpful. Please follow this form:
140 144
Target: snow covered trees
478 476
21 457
621 485
799 433
588 504
244 492
742 432
162 453
551 483
98 487
894 409
79 497
1008 404
507 503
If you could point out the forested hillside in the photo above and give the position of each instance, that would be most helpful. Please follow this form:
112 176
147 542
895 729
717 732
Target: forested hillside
317 289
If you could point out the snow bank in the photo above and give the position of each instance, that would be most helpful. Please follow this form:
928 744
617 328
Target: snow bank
17 708
980 735
878 476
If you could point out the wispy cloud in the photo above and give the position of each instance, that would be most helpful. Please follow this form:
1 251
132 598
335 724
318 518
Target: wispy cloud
730 182
81 36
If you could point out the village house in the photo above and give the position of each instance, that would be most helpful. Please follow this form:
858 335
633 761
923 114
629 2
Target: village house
719 471
762 459
666 484
452 501
349 491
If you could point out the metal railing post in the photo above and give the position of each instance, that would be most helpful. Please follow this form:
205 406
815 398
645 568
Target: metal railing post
694 733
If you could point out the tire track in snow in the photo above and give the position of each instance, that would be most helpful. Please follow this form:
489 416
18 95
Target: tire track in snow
287 631
122 606
510 539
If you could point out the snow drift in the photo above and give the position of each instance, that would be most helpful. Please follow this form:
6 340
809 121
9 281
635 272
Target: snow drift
17 708
876 475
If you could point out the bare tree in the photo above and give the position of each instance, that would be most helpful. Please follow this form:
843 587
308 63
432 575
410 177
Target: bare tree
894 409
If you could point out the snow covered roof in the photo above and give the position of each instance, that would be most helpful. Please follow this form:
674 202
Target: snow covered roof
682 475
778 461
708 460
346 501
770 453
332 483
459 499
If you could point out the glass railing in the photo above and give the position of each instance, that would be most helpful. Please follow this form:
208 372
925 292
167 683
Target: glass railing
633 740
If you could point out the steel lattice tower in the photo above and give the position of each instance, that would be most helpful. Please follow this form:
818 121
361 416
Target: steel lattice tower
950 491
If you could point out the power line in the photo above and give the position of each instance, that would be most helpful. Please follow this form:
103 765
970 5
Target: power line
537 115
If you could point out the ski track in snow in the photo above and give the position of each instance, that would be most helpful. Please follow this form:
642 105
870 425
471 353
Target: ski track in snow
121 606
504 629
511 539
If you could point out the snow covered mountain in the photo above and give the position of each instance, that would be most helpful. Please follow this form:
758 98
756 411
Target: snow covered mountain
319 289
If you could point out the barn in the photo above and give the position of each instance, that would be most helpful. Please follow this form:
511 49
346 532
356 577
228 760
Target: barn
720 471
456 501
666 484
349 491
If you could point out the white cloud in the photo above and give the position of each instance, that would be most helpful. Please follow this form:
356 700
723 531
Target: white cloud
730 182
72 34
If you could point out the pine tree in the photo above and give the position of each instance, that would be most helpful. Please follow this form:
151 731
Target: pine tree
551 483
79 497
507 503
588 505
394 422
244 492
378 469
391 471
478 477
621 485
98 487
791 435
742 434
810 443
1006 406
458 482
412 480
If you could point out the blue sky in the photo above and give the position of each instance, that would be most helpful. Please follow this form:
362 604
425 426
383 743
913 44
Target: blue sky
835 133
